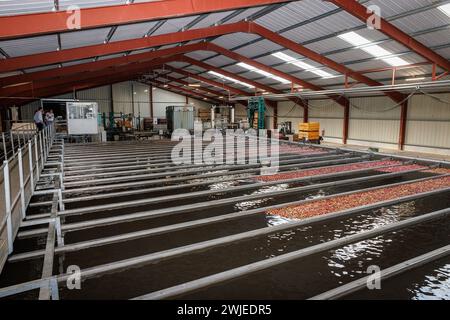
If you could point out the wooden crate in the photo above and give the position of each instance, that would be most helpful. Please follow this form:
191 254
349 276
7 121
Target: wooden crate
309 135
309 126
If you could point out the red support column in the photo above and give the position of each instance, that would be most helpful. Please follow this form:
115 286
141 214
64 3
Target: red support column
306 111
150 96
346 122
403 121
275 115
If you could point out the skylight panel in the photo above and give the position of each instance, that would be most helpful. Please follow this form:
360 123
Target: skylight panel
374 50
230 79
445 9
354 38
302 65
262 72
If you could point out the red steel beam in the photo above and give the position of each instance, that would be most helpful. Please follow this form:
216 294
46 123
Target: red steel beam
232 75
306 112
192 93
291 45
238 57
67 87
27 88
359 11
75 84
136 67
403 123
275 115
185 83
47 58
206 80
152 84
98 65
346 123
35 60
53 22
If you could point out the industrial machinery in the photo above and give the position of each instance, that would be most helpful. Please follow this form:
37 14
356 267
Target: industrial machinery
180 117
222 117
286 128
256 110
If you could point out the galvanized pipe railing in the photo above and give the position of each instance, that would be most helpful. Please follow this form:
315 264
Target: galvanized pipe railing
20 172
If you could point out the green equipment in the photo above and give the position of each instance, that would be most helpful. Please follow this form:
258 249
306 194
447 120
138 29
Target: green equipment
256 104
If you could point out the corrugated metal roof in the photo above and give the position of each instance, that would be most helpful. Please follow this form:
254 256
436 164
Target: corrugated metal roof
83 38
27 46
314 23
12 7
234 40
174 25
292 13
131 31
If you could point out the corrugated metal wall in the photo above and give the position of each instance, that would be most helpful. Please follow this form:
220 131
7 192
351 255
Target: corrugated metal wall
27 111
374 120
330 115
429 121
162 99
141 99
289 111
122 96
101 95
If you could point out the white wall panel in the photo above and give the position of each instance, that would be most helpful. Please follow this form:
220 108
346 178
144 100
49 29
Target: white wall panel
162 99
330 115
333 127
429 121
371 130
122 97
289 111
374 108
101 95
141 99
375 119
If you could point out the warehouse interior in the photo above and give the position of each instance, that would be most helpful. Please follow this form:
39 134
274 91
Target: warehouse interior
338 117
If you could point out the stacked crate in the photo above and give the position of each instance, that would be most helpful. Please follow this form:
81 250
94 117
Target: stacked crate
255 120
309 130
204 114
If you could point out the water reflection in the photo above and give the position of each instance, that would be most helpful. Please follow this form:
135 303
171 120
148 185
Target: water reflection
252 204
435 286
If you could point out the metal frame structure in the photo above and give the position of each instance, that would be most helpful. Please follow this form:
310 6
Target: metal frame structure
20 89
63 162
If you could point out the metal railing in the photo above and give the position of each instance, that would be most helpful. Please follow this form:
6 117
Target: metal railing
22 165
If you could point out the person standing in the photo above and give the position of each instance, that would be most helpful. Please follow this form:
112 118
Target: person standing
38 119
50 117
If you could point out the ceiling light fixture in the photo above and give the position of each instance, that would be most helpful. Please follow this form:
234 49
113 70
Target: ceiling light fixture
415 79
